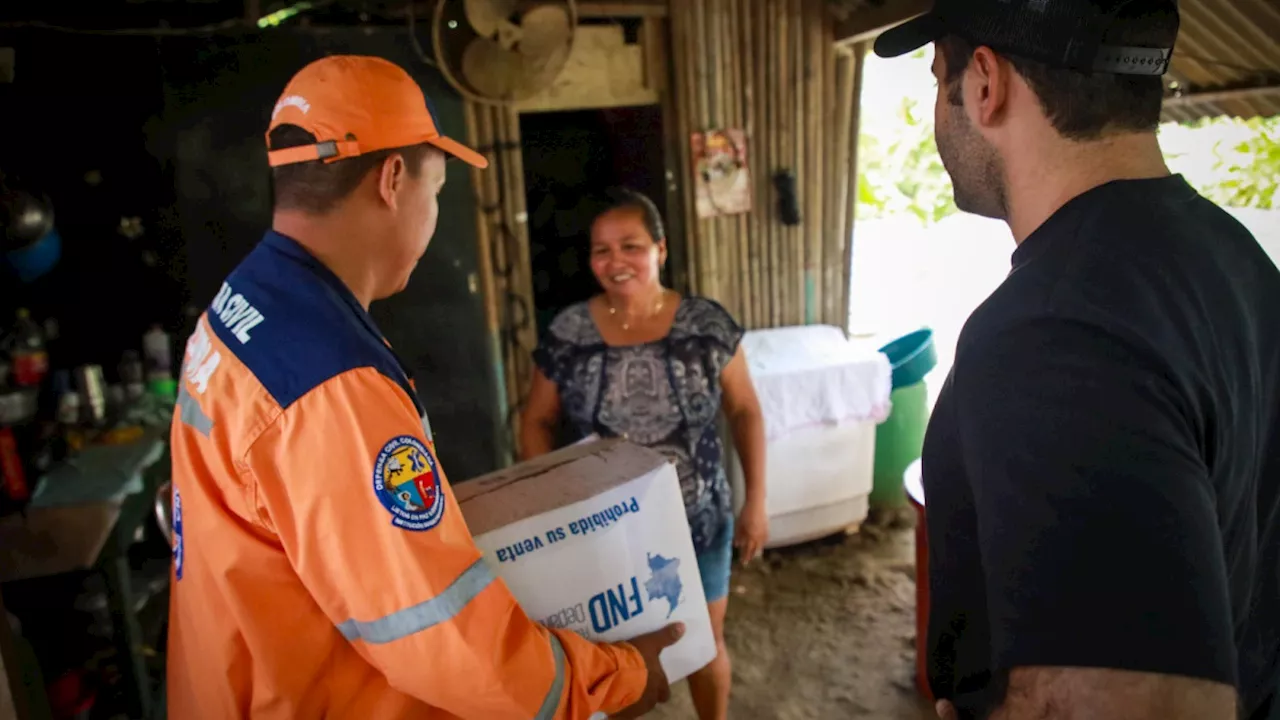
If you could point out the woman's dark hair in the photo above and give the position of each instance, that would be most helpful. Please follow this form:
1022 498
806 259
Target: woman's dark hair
627 199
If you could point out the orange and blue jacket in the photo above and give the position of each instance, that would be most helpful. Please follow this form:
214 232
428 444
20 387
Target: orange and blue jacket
321 565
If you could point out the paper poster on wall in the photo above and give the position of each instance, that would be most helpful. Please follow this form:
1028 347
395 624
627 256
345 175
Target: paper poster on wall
722 180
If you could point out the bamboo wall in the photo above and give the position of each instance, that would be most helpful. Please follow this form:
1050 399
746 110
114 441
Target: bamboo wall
771 68
502 244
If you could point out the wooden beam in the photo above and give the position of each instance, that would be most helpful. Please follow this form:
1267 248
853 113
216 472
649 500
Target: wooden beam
616 10
866 24
1216 96
633 9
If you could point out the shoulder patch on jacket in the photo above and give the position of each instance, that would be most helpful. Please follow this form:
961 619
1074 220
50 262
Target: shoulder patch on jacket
407 483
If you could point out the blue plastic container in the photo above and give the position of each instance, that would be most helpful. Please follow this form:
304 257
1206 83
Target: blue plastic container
912 357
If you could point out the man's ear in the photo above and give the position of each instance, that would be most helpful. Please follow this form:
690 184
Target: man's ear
391 177
987 93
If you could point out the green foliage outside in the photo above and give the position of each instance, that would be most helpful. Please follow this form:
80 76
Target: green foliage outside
1234 163
1245 166
899 170
902 173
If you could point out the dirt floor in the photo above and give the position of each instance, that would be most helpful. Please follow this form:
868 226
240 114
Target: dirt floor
824 630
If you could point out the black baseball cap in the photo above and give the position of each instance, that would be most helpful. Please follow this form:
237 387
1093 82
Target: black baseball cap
1125 37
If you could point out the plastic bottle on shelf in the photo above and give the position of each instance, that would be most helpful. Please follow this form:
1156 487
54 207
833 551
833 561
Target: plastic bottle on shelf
132 375
157 351
13 476
27 354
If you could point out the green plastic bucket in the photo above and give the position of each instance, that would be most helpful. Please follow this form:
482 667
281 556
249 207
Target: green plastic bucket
900 438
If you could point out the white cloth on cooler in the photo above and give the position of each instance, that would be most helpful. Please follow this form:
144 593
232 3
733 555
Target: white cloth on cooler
813 375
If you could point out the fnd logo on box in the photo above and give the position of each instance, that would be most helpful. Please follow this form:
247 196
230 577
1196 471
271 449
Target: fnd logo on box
622 603
664 581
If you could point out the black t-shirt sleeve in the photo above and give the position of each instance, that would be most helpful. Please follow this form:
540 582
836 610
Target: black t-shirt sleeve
1097 526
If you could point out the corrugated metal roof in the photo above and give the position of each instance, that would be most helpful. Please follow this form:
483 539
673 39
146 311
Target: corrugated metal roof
1223 45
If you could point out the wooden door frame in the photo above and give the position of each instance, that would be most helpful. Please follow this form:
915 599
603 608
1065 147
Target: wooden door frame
511 349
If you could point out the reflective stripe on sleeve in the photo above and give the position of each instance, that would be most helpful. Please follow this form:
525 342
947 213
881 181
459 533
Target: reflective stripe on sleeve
552 701
442 608
190 413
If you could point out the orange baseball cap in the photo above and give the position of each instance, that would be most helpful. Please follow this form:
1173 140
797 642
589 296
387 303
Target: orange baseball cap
355 104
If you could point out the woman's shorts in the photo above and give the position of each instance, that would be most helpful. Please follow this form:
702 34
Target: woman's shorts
715 564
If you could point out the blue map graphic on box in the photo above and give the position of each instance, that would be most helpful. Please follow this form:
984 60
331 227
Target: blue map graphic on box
664 581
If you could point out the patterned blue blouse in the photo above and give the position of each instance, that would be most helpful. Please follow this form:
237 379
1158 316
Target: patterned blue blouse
664 395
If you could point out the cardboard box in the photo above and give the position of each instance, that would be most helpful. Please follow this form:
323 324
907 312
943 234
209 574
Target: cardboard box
594 538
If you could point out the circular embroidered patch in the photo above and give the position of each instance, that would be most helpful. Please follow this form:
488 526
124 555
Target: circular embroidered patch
407 483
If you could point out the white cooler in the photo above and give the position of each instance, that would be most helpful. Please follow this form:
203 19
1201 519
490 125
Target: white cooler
822 396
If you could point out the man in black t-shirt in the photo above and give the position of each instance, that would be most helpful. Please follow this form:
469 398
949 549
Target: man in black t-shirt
1102 470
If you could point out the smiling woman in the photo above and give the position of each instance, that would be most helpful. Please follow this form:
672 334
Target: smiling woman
641 362
628 250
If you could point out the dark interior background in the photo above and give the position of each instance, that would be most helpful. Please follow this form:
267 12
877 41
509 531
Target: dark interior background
73 126
166 131
570 158
170 130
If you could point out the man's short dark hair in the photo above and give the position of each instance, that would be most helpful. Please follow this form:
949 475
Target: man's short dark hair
1081 106
317 187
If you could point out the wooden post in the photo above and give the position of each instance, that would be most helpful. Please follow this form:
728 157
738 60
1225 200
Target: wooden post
795 102
750 126
713 118
515 217
655 59
511 256
704 52
859 61
665 67
489 295
844 109
737 119
783 160
728 243
484 250
831 184
775 32
499 262
682 44
831 254
813 149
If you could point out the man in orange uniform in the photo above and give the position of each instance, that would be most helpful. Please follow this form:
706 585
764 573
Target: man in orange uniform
321 565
